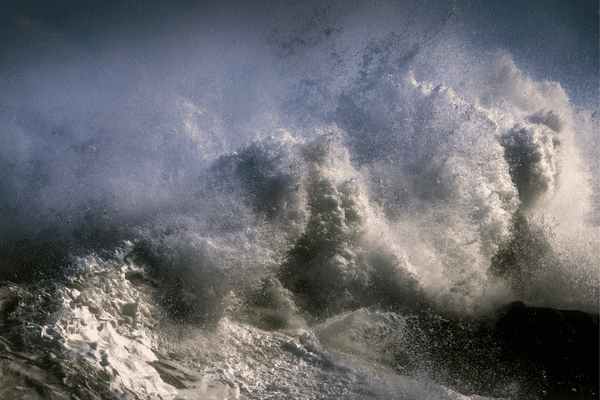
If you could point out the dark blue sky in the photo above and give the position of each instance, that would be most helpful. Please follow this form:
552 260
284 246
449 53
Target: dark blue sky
551 39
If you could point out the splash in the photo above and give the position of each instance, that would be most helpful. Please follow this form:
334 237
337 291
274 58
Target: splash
349 193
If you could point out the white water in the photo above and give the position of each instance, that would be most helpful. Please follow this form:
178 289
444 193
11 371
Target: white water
267 198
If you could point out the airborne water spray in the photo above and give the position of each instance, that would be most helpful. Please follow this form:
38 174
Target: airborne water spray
295 200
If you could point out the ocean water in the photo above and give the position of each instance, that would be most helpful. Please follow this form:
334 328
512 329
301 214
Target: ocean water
275 200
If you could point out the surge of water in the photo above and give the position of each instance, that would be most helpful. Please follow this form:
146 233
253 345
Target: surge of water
321 193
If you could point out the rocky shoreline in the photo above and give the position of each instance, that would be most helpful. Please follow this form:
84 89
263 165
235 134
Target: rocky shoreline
551 354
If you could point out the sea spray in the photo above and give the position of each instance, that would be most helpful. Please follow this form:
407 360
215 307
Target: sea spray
324 200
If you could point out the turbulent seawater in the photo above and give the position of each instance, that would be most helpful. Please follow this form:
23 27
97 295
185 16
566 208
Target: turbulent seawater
292 201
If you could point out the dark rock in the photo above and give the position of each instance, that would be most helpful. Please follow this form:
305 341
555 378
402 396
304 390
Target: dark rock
518 351
556 349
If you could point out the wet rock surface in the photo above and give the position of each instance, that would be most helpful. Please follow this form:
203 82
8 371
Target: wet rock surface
555 350
517 351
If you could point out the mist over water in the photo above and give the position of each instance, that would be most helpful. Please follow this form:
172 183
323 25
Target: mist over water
327 168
